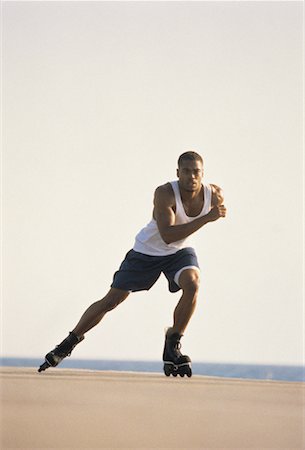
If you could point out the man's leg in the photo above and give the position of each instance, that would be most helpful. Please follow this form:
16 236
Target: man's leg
91 317
94 314
174 362
189 281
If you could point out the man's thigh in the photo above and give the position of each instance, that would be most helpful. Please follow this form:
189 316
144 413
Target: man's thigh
137 272
183 260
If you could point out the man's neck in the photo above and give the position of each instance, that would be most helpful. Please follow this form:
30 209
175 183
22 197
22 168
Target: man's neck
189 195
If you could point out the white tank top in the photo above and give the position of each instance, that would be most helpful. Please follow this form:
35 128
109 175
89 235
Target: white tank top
149 241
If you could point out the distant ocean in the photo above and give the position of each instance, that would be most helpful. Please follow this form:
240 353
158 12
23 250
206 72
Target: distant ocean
246 371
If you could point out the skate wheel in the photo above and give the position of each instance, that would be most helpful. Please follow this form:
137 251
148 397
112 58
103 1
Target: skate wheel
44 366
185 370
167 370
189 372
182 370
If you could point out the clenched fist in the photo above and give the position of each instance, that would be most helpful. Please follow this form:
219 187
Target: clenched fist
217 212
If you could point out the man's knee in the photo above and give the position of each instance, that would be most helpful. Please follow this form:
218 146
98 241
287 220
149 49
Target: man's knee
189 281
113 299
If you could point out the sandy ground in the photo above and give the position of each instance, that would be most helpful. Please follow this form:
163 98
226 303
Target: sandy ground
64 408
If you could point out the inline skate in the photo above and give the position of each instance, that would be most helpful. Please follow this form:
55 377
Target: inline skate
174 362
55 356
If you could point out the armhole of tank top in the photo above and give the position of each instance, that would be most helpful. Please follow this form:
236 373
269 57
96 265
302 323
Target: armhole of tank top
209 191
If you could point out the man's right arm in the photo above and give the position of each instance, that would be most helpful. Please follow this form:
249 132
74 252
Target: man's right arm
165 217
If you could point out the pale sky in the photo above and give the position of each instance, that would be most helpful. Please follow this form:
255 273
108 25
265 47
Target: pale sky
98 101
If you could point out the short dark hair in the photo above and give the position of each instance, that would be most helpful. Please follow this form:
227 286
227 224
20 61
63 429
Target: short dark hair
189 156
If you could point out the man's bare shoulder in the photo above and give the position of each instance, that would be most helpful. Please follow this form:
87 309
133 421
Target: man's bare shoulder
217 195
165 193
165 189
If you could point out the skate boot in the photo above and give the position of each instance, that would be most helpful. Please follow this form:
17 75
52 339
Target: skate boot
55 356
174 362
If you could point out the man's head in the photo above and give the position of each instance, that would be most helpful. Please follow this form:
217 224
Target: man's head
189 156
190 171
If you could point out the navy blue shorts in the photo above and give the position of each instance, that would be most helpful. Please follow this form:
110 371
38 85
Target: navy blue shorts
139 272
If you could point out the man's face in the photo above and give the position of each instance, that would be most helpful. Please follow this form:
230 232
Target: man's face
190 174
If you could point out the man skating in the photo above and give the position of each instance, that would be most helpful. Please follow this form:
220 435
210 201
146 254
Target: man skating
180 208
